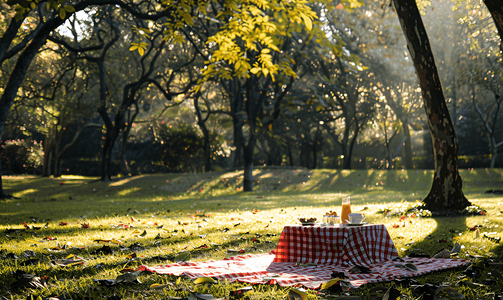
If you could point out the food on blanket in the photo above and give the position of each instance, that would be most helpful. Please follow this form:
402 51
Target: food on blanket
307 220
330 218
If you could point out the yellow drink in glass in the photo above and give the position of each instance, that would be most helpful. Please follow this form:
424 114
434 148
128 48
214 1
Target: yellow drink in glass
346 210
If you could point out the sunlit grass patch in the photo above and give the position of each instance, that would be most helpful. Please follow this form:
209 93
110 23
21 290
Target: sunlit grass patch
158 216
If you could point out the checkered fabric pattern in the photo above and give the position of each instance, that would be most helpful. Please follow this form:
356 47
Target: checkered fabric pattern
260 269
364 245
333 249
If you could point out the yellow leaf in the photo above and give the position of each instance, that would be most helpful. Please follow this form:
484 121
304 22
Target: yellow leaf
141 51
69 8
179 280
134 47
157 286
307 21
296 293
270 127
254 70
116 241
62 14
33 5
329 283
205 280
136 231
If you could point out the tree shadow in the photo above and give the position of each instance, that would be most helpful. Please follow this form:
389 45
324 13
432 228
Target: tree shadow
445 235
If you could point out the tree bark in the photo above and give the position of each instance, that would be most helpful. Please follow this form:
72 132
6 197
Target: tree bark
248 170
15 80
206 135
46 166
495 7
408 146
446 190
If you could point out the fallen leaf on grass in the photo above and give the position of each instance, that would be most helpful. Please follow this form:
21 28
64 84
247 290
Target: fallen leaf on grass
68 262
408 266
330 283
183 256
204 280
444 253
359 270
114 241
297 294
492 239
391 293
24 280
455 249
158 286
235 251
103 250
197 296
131 277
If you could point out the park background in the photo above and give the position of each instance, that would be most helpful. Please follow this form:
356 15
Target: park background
353 102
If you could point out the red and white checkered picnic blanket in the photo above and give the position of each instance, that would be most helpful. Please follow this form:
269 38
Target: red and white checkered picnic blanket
332 249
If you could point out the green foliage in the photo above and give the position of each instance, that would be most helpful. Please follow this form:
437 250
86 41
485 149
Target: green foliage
21 156
180 148
23 7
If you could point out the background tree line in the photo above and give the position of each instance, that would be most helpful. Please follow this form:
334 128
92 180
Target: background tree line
120 88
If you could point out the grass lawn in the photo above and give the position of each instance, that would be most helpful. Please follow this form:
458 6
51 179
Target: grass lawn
160 216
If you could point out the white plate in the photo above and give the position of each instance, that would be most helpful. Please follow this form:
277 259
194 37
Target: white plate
356 224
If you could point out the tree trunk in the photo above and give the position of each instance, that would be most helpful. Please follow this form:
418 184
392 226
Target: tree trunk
206 134
238 141
352 146
46 167
248 171
290 156
446 191
496 9
125 136
408 146
15 80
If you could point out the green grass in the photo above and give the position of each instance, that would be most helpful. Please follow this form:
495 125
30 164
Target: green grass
189 206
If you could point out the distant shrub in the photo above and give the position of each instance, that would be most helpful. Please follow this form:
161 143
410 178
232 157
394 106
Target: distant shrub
21 156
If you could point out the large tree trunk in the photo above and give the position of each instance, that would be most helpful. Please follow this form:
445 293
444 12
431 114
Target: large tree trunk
248 171
496 9
206 135
15 80
46 165
446 191
237 124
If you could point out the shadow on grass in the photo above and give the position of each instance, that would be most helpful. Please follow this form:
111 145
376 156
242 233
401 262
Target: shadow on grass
445 235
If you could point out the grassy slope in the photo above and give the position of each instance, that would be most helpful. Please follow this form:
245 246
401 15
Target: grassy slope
175 200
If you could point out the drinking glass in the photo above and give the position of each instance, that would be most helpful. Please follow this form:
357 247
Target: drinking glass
346 209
